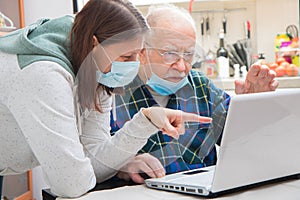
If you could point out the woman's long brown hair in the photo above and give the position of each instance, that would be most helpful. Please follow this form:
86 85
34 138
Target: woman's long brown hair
103 19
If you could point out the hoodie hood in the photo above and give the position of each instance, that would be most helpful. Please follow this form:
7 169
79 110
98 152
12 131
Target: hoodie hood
44 40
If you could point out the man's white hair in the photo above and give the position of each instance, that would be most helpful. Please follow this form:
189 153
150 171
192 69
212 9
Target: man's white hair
160 14
168 12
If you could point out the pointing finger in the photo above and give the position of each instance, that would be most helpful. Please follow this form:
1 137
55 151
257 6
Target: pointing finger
195 118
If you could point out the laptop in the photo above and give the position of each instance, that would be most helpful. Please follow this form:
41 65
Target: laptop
260 144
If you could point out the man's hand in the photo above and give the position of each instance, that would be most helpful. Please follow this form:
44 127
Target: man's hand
259 79
143 163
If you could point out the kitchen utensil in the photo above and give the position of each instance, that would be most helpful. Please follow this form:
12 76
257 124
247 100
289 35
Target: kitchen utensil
207 26
202 26
246 44
191 6
247 29
3 23
238 48
248 50
3 20
292 31
224 23
233 54
245 53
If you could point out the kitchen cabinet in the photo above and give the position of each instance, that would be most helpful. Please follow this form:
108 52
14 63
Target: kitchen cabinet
18 187
284 83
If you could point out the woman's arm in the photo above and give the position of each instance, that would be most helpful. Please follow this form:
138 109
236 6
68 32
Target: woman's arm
109 153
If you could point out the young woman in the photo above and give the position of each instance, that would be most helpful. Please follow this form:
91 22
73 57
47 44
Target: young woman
48 120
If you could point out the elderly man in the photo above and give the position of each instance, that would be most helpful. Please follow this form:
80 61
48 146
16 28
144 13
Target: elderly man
166 79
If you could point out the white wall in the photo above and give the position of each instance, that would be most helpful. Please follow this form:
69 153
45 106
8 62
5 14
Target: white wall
36 9
236 14
273 16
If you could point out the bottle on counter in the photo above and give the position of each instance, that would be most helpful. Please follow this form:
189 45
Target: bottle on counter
261 59
237 71
222 57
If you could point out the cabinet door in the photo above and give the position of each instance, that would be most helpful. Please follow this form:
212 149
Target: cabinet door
18 187
21 13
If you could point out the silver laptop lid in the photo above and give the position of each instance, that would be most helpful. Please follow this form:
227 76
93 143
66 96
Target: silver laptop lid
260 139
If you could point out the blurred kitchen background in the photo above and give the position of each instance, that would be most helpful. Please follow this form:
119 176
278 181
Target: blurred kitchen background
258 27
251 25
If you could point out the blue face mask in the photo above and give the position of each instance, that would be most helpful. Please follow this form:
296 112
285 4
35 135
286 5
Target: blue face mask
164 87
121 74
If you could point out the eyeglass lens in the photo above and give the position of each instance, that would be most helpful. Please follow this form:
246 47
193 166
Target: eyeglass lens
172 57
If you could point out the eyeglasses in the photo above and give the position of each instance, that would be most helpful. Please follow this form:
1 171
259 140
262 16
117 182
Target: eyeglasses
170 57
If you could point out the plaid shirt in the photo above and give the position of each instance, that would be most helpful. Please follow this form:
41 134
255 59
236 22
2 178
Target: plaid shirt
200 96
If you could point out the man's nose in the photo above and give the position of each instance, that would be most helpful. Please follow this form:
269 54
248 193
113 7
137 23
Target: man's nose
179 65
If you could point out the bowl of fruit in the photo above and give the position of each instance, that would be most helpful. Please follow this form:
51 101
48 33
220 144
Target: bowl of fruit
284 68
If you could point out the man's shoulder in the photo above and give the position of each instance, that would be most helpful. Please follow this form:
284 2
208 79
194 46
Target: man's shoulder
196 74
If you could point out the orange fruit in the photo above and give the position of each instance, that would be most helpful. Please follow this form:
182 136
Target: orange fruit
285 64
273 66
292 70
280 71
280 60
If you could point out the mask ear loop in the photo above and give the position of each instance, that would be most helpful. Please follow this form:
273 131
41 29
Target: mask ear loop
149 64
114 109
106 55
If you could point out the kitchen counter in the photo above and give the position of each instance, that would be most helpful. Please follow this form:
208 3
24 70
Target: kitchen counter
2 33
284 82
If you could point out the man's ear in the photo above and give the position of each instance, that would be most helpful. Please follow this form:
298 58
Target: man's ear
95 41
142 56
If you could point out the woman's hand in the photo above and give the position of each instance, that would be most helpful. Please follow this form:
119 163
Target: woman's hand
142 164
171 122
259 79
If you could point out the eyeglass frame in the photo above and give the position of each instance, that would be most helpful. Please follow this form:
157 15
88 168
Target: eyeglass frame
177 54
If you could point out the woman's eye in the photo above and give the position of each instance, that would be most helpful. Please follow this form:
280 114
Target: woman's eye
126 57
